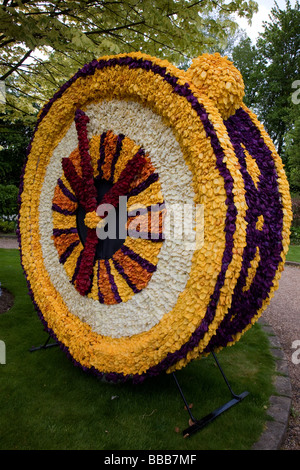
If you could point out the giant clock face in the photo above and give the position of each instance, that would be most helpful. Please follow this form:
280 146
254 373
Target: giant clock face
126 144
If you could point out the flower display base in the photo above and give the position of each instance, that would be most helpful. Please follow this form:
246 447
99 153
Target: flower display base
197 424
200 424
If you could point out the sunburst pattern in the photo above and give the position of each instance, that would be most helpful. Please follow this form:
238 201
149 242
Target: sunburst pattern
118 161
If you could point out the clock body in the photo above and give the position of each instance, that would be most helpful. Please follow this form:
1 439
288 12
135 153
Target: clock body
154 221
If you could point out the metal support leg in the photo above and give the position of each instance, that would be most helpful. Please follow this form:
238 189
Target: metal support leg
183 397
224 376
44 346
200 424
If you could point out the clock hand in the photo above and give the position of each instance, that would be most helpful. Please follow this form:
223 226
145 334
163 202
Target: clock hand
83 186
127 176
121 187
83 279
89 191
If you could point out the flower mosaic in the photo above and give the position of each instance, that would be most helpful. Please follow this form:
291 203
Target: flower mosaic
136 127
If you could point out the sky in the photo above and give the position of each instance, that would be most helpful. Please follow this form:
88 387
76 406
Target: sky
265 7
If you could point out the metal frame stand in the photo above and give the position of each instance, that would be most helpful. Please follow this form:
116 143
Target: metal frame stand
43 346
200 424
197 424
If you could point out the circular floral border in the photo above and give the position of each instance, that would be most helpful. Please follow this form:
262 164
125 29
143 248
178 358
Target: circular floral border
209 312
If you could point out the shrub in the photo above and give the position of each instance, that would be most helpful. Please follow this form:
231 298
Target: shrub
296 210
8 201
295 235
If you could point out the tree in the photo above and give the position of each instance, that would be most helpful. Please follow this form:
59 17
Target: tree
293 156
245 57
270 68
277 68
43 41
8 202
14 139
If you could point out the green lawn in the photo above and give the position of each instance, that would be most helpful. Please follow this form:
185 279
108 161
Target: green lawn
294 253
47 403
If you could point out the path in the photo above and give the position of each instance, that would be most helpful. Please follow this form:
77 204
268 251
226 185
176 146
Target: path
283 314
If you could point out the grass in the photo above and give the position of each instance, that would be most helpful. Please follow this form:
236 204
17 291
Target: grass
294 253
48 404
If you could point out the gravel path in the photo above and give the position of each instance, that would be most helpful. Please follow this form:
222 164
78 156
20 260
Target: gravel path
283 314
7 242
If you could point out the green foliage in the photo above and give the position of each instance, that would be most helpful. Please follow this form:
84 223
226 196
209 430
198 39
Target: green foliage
78 25
293 157
245 58
14 140
271 71
8 226
296 210
295 235
8 201
43 43
278 50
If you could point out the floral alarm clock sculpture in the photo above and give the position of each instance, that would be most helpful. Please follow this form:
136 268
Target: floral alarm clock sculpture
136 131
